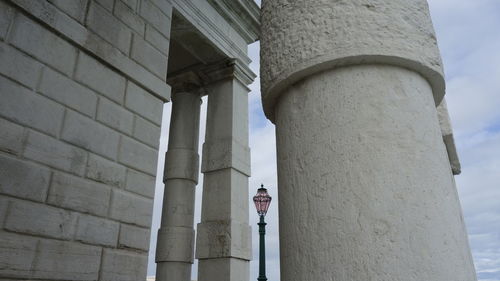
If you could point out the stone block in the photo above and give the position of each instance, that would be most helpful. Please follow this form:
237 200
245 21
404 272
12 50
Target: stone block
29 109
160 42
58 260
156 17
11 138
100 78
223 269
107 4
131 208
149 57
97 231
6 16
4 204
164 5
73 8
175 244
127 15
79 194
105 171
18 255
223 239
147 132
118 265
49 48
140 183
38 219
131 3
86 133
137 155
226 153
19 66
104 24
55 153
23 179
182 164
143 103
115 116
134 237
68 92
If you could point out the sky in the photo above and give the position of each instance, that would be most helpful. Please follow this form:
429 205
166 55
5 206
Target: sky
468 33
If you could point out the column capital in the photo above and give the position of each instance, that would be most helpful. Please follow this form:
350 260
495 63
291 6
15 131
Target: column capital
200 76
186 81
227 69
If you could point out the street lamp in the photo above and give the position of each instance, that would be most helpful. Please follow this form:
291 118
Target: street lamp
262 201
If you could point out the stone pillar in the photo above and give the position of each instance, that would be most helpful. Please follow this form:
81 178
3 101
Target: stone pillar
175 248
224 239
365 184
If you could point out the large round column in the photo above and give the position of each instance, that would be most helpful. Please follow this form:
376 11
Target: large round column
366 190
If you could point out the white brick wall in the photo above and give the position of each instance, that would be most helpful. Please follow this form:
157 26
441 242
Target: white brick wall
78 150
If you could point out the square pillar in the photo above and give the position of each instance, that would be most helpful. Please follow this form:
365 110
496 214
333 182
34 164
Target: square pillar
224 235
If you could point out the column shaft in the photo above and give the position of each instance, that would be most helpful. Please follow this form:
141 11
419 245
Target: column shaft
365 186
174 255
223 238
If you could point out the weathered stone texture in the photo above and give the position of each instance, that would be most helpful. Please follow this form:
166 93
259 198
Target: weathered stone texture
64 90
100 78
39 219
78 194
11 138
123 266
23 179
97 231
105 171
147 132
130 208
149 57
74 8
19 66
134 237
127 15
140 183
109 28
49 48
54 153
141 102
115 116
321 34
29 109
137 155
88 134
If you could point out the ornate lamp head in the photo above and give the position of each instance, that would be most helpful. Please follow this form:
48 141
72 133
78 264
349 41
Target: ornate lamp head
262 201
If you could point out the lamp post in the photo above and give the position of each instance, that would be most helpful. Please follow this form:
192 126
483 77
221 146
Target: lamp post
262 201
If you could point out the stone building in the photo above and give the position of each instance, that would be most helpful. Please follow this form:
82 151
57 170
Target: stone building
355 89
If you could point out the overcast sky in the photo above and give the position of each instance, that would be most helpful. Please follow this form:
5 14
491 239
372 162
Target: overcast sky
469 38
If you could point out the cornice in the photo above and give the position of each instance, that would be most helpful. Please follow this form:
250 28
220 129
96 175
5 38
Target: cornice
243 15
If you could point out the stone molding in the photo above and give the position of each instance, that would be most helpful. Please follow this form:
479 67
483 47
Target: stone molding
243 15
181 164
172 244
348 34
449 140
195 14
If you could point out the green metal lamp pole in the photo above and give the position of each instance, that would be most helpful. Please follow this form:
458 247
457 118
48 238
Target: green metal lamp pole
262 250
262 201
